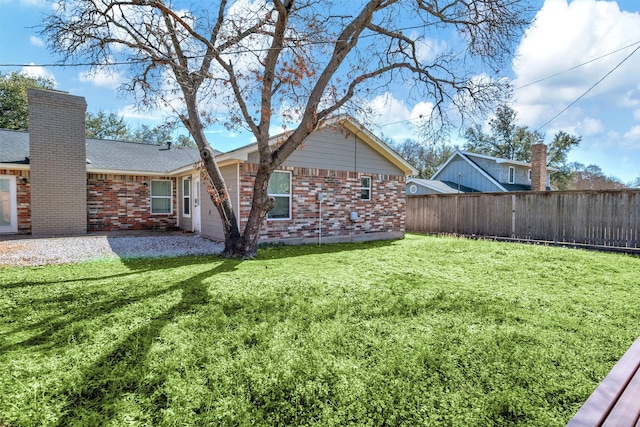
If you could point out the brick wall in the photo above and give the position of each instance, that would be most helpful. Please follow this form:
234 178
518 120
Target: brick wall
122 202
57 155
538 167
23 194
383 215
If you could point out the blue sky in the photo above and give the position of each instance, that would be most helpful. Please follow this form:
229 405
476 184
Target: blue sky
568 49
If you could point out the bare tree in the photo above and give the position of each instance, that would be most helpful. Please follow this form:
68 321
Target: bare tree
245 63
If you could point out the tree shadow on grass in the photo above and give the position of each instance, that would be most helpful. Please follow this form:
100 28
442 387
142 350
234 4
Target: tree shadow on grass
48 327
93 395
121 372
101 300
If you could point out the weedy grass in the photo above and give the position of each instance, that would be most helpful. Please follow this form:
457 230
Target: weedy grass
421 331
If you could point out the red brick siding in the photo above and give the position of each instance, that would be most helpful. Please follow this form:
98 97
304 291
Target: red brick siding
385 212
122 202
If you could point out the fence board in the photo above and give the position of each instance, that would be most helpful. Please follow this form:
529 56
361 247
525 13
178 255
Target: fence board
603 218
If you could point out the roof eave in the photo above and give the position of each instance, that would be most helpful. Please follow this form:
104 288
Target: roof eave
14 166
128 172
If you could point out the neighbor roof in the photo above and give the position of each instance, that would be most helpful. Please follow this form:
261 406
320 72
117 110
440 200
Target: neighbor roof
501 160
444 187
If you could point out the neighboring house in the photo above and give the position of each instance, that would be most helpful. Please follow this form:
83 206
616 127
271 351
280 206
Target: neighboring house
466 172
342 184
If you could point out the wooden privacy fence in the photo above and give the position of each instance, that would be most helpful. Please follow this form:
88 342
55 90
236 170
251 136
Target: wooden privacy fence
599 218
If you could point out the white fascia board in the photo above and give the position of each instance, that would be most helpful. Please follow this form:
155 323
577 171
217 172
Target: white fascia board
14 166
128 172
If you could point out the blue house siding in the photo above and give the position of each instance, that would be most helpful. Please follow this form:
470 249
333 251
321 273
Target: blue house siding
460 171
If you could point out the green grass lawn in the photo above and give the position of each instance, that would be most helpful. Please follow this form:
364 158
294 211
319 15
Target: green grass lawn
421 331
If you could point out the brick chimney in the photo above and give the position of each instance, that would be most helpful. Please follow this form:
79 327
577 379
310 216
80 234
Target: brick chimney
58 163
538 167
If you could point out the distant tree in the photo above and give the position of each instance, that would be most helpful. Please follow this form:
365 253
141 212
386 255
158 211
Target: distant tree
185 141
14 107
103 125
157 135
592 178
510 141
636 183
427 158
507 140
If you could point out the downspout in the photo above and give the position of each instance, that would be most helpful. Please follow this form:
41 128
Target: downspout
320 197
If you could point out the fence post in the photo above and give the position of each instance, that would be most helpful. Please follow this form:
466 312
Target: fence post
513 215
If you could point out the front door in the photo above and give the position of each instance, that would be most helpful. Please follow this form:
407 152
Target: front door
197 225
8 205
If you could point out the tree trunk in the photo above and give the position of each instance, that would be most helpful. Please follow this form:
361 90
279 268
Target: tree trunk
245 246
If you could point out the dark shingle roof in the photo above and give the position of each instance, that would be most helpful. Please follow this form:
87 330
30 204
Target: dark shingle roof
14 146
103 154
132 156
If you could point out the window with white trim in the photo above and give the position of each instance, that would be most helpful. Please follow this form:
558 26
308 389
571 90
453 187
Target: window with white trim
186 197
365 188
161 197
512 174
280 189
529 174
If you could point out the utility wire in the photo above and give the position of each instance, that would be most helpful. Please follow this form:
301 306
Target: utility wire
577 66
589 90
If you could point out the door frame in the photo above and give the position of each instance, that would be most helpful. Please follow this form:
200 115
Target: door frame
13 206
196 218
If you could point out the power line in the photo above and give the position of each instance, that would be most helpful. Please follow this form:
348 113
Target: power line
577 66
588 90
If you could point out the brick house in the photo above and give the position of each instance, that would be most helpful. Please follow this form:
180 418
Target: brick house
342 184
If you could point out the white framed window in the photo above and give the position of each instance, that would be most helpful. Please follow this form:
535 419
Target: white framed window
280 189
512 174
186 197
161 196
365 188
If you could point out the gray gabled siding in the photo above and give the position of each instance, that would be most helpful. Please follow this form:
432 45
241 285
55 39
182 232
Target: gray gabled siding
211 222
338 150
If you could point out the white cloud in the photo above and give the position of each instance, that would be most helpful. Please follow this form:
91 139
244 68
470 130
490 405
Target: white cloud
633 133
38 72
565 35
591 126
102 78
428 49
36 41
393 118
